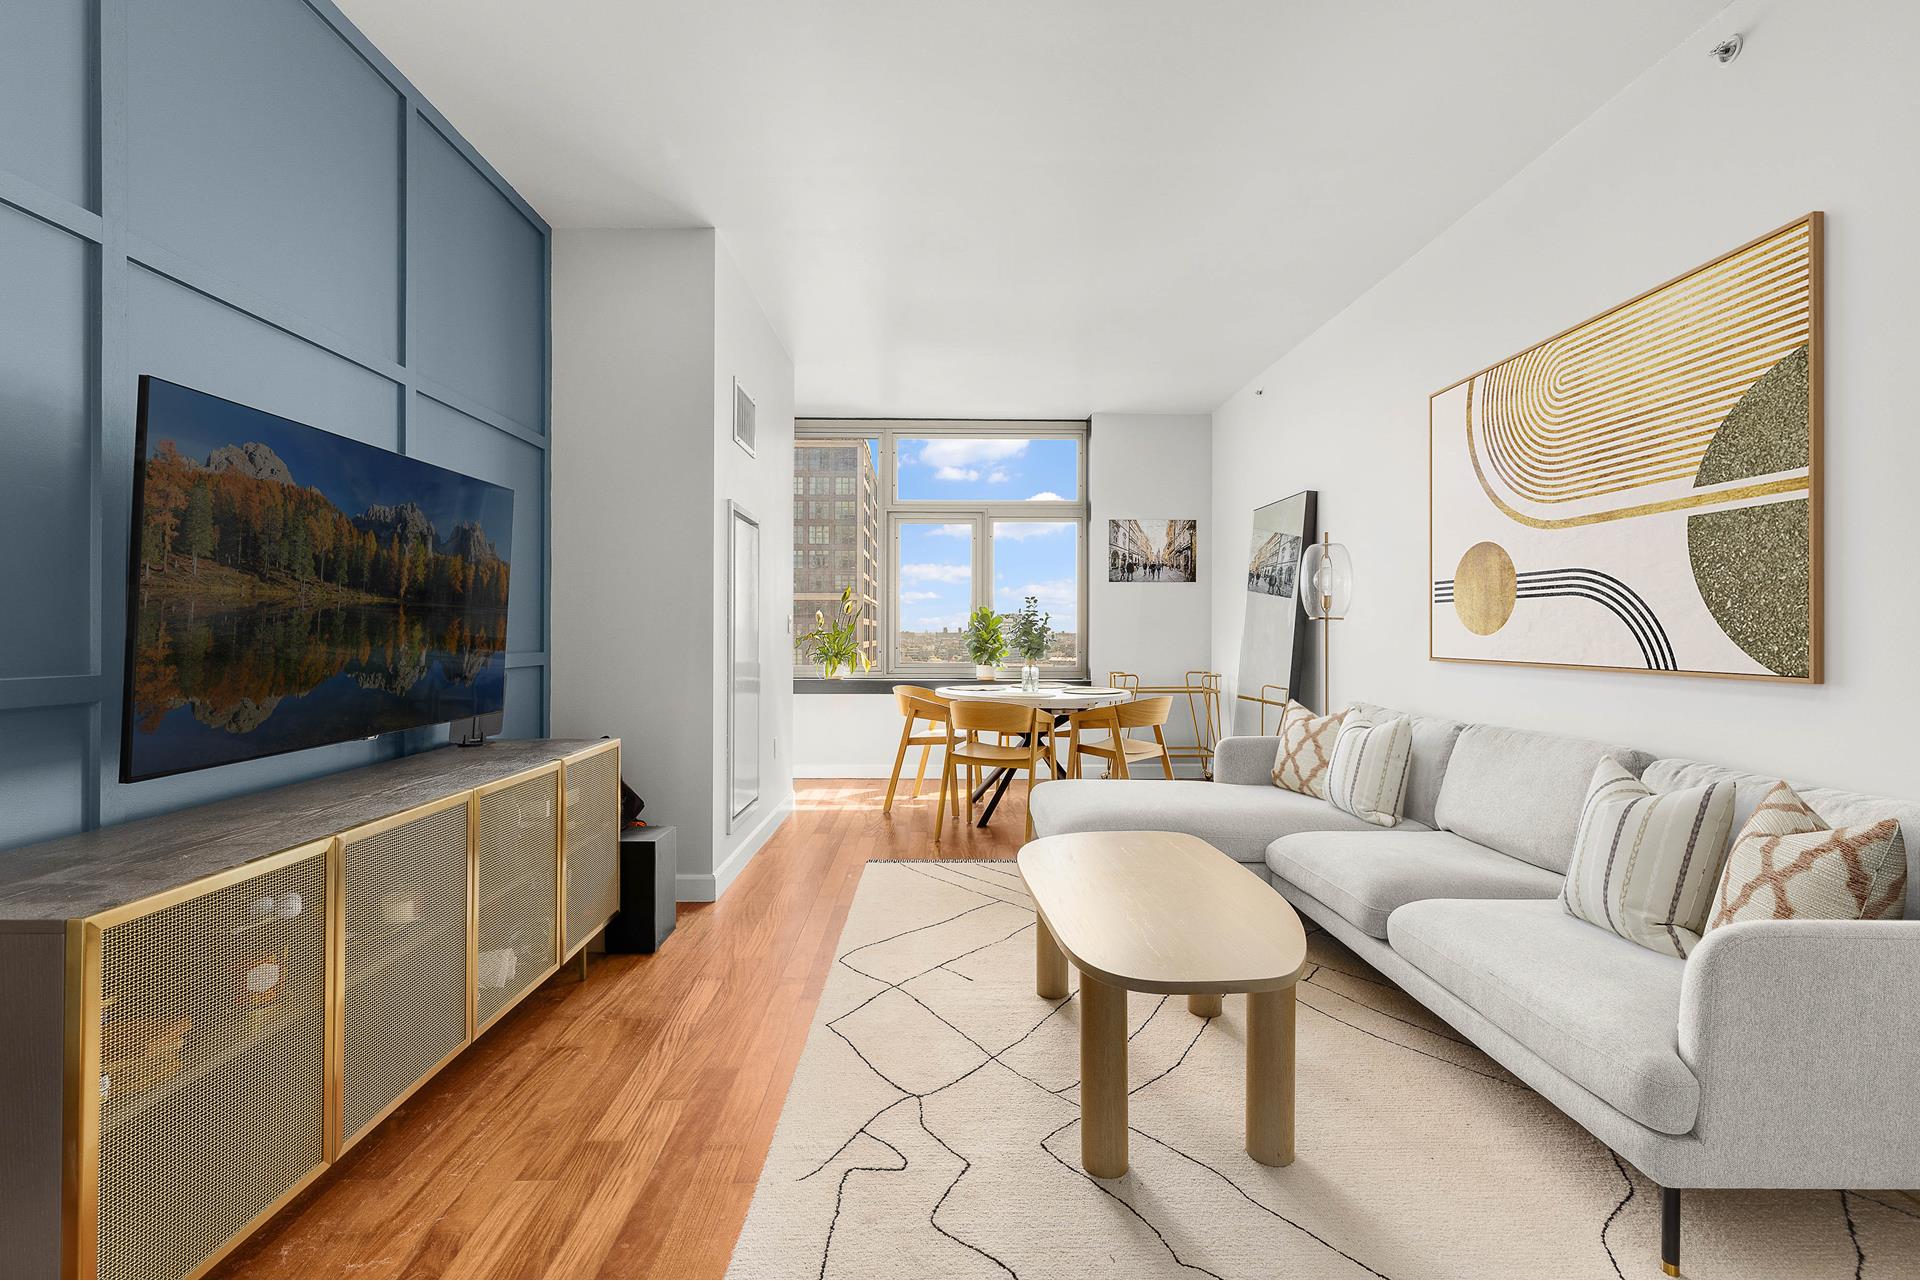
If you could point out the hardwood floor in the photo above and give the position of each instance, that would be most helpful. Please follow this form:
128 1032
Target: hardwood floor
616 1127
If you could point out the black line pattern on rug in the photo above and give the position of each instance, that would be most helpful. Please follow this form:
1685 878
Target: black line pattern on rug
1258 1204
1123 1202
921 1096
1607 1226
1364 978
1022 902
933 1215
1887 1205
1387 1014
1853 1235
1437 1058
1013 882
1191 1159
905 1093
840 1192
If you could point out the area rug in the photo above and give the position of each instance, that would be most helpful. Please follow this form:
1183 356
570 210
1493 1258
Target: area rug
932 1130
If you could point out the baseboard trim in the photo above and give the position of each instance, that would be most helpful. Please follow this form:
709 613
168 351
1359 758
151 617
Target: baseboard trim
707 887
860 771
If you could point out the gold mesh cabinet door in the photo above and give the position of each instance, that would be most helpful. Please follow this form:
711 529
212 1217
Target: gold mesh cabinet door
212 1030
404 972
516 871
593 842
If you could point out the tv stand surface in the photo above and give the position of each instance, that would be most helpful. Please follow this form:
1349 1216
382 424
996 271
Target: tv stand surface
93 872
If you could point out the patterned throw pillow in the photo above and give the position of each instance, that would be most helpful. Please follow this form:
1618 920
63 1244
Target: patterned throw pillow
1368 775
1645 863
1306 748
1787 865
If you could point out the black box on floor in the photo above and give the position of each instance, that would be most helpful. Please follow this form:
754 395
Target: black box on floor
648 890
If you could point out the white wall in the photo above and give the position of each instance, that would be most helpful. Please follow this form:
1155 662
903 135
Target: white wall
1152 466
1138 465
746 347
642 321
1693 158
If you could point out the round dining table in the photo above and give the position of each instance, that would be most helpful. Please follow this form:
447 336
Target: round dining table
1059 700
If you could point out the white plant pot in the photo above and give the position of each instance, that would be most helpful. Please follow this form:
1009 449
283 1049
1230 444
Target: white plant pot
985 672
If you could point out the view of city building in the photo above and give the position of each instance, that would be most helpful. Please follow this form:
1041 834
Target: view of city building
1158 551
836 539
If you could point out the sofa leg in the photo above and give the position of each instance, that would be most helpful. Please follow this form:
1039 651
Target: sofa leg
1670 1231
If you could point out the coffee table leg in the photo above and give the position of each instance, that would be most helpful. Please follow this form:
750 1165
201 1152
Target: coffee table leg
1049 962
1269 1076
1205 1005
1103 1078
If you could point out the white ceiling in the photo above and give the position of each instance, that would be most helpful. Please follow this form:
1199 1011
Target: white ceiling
1029 208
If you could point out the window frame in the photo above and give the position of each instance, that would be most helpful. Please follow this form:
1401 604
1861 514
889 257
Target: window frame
981 514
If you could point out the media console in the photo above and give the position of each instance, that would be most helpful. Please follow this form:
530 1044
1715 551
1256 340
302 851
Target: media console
205 1009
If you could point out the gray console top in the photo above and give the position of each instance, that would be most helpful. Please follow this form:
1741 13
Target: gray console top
79 876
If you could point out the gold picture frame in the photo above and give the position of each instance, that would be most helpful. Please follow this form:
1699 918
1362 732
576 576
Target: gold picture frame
1645 482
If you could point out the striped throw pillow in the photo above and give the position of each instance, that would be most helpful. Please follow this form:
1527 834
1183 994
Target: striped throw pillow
1645 863
1306 748
1368 775
1788 865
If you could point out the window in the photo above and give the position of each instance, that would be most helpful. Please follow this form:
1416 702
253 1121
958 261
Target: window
1041 559
933 591
842 537
932 520
991 469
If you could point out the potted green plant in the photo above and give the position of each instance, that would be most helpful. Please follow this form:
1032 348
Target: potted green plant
986 642
1031 632
836 646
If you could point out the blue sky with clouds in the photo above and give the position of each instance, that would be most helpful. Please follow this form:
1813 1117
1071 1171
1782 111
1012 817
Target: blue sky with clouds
1030 558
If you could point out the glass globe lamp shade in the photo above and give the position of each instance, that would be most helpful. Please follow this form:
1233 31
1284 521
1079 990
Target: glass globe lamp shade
1326 580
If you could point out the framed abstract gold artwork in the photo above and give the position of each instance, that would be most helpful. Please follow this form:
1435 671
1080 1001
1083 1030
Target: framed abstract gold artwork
1642 491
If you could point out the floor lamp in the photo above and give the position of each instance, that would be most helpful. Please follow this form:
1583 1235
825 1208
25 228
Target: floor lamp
1326 590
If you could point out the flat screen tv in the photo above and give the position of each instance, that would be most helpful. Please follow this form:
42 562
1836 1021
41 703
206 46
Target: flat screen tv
289 588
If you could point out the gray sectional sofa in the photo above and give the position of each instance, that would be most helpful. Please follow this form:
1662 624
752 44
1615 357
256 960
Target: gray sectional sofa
1779 1054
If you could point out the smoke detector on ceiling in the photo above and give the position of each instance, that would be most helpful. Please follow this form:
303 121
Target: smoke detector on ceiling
1727 50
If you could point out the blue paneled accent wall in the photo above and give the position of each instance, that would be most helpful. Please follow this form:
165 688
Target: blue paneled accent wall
243 196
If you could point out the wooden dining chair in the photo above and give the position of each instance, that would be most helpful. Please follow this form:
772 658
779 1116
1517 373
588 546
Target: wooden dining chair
1119 749
970 717
918 704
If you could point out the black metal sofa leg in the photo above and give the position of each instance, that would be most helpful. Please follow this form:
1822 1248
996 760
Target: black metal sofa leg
1670 1231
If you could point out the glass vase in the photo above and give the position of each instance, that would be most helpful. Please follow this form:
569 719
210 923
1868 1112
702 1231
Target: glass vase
1029 678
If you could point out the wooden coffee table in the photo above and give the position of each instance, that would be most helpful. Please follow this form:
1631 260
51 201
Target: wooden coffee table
1164 912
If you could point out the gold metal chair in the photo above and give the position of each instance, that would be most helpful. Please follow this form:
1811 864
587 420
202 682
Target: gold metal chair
1118 749
918 704
968 717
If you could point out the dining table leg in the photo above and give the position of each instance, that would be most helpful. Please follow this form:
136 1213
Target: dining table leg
1002 779
1005 777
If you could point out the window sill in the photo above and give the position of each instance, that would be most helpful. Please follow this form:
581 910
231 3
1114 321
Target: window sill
885 684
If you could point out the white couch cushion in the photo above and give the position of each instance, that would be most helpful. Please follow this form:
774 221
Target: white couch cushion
1364 876
1433 740
1592 1005
1368 775
1645 863
1239 821
1305 750
1787 864
1835 807
1521 791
